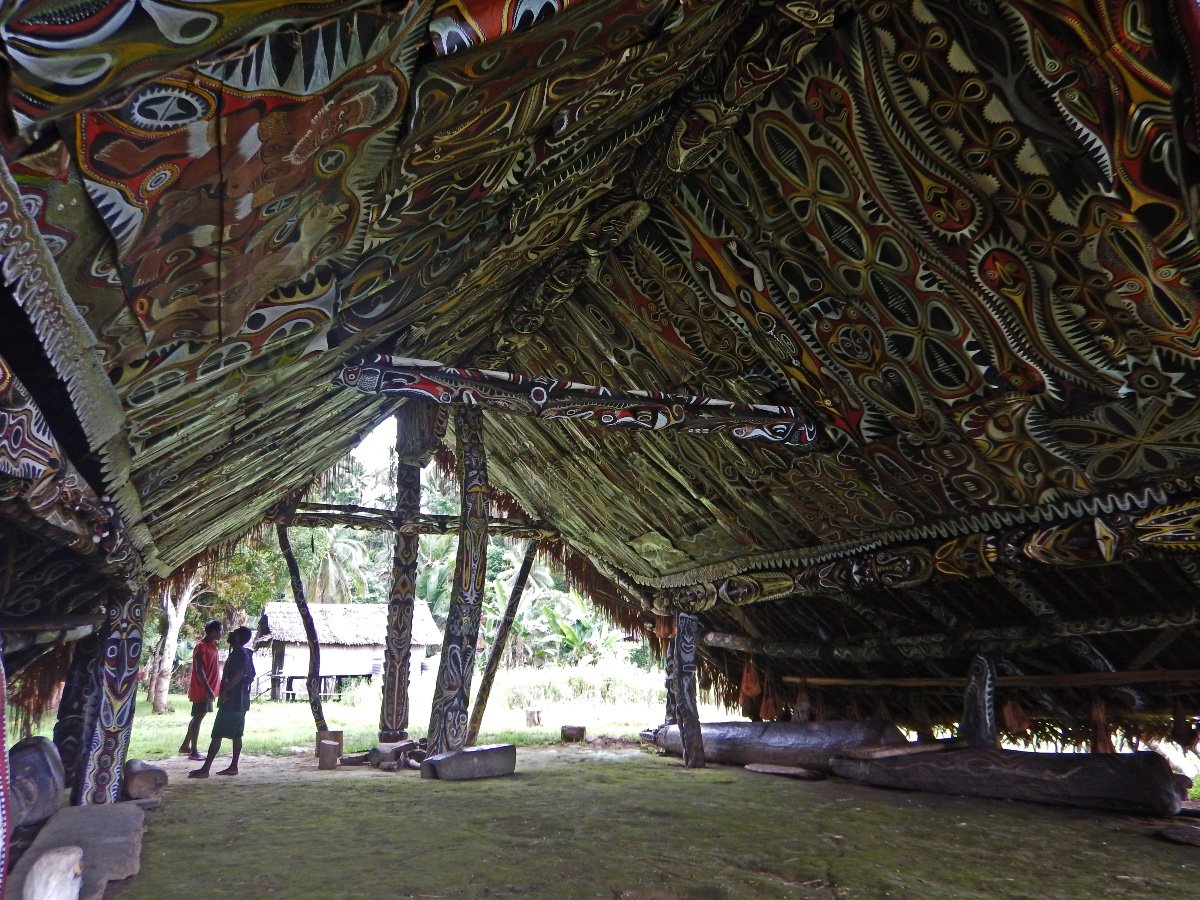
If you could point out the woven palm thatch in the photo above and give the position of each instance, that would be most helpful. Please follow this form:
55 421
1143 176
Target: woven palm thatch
351 624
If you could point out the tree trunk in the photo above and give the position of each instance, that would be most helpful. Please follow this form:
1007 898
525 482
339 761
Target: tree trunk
174 606
313 681
500 642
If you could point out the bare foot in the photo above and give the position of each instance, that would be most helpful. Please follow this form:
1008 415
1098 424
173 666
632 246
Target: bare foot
230 771
198 773
196 757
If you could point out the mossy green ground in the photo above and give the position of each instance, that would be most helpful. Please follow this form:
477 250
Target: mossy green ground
582 822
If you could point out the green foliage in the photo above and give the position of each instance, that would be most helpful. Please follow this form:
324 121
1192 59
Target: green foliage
608 684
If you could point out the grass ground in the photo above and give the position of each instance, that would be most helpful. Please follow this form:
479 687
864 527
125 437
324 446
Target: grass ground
274 729
580 822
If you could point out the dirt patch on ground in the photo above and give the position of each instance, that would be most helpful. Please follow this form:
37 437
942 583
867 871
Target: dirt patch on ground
582 820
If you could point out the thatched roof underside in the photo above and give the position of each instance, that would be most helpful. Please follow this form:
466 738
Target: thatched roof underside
959 244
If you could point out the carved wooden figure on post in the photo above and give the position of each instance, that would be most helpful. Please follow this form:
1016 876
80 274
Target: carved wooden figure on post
448 718
419 427
112 694
682 691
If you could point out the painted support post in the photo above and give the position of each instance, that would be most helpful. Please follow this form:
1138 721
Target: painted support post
397 651
4 812
113 691
313 682
77 708
451 696
499 643
420 426
671 715
683 652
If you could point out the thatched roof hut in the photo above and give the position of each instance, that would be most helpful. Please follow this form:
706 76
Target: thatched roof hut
351 637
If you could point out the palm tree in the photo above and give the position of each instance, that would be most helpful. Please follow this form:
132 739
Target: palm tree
435 573
341 575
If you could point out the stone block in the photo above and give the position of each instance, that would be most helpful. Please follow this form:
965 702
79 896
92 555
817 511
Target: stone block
110 835
469 763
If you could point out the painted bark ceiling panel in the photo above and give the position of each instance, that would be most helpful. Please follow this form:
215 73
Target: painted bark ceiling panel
959 238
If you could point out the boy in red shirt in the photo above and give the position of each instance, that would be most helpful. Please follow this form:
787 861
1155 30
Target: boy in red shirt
204 687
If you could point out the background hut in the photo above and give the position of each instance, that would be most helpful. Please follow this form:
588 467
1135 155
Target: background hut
351 637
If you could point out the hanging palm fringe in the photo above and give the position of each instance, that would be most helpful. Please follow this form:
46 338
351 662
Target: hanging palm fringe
36 690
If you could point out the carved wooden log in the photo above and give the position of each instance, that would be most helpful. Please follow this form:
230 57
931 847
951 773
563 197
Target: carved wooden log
36 781
143 780
1182 834
386 753
354 759
808 745
889 750
1127 782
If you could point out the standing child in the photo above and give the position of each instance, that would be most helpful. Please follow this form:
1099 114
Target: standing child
236 682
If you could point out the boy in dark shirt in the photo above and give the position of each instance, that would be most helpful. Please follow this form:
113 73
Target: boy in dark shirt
234 701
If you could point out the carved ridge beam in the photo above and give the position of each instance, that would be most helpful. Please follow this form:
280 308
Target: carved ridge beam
546 398
1088 541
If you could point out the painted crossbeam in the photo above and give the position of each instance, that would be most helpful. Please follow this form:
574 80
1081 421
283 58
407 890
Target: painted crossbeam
933 645
323 515
1065 680
547 398
1081 542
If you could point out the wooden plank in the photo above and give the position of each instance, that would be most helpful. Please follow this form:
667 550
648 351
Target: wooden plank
786 771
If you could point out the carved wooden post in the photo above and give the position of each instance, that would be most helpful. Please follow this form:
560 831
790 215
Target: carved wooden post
683 654
498 644
77 708
4 814
397 653
451 697
978 726
671 715
113 695
419 427
313 682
